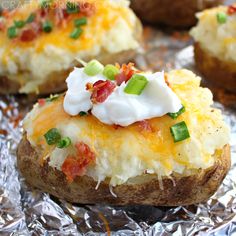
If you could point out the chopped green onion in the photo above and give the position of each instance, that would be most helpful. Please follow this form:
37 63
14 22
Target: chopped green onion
81 21
177 114
52 98
45 3
136 84
94 67
19 23
64 143
47 26
179 131
110 72
83 113
30 19
12 32
72 8
52 136
76 33
221 17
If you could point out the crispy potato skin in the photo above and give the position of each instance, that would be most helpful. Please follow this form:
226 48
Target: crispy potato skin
55 82
218 72
178 191
175 13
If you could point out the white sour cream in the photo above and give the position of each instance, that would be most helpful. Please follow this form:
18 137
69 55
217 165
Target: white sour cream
120 108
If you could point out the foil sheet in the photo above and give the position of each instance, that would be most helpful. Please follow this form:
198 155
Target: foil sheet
24 211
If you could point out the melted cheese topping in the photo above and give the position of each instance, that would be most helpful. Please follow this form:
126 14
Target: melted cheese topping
218 39
111 29
123 153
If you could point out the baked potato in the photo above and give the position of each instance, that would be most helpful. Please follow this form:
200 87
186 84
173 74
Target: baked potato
178 13
41 40
215 46
95 144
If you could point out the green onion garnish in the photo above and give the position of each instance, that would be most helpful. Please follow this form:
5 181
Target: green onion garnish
94 67
12 32
47 26
45 3
72 8
76 33
136 84
83 113
64 143
52 98
19 23
110 72
221 17
81 21
177 114
52 136
179 131
30 19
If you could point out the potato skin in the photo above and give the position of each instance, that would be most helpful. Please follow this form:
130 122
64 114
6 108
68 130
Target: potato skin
178 191
174 13
55 82
218 72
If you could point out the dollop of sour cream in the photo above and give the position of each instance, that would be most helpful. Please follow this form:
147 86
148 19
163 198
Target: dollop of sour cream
120 108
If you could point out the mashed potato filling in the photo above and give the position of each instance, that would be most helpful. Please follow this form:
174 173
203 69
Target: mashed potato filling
126 152
110 30
219 39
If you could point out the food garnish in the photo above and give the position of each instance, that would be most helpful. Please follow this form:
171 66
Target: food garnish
53 137
179 131
177 114
136 84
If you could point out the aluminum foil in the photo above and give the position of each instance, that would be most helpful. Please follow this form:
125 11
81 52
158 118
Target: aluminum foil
24 211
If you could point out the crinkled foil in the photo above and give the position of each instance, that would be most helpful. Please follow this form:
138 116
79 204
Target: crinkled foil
24 211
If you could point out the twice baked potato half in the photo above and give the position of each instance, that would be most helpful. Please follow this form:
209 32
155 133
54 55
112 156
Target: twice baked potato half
41 40
178 13
215 46
122 136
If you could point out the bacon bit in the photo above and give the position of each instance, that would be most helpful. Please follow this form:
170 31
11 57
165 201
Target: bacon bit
87 8
41 102
120 78
101 90
76 166
232 9
28 35
145 125
117 126
3 132
166 80
43 12
61 17
89 87
2 26
126 73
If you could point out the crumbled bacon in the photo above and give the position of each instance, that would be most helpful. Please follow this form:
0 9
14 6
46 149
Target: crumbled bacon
145 125
28 35
2 26
88 9
76 165
41 102
61 16
166 80
126 73
101 90
232 9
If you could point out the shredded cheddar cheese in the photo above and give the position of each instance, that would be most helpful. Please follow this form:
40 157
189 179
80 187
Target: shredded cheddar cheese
126 152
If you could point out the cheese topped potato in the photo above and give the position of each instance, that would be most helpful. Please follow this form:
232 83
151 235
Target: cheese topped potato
40 40
120 123
215 46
